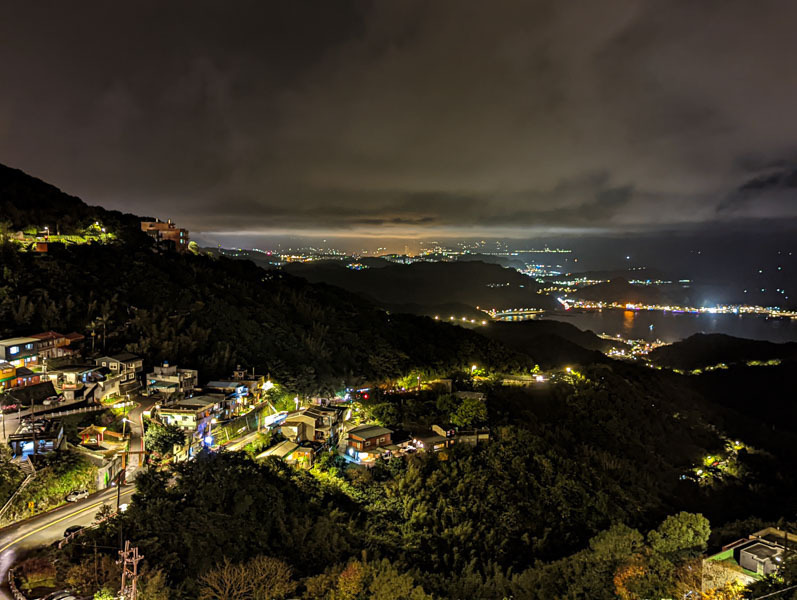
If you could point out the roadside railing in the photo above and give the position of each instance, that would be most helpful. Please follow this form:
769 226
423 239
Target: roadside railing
30 472
12 583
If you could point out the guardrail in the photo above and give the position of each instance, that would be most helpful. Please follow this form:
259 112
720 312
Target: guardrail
12 583
75 411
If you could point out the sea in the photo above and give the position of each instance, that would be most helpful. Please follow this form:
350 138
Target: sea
671 327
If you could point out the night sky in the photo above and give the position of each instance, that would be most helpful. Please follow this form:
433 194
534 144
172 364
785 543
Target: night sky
405 118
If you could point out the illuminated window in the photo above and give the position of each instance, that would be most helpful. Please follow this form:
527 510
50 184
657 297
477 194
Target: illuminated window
28 346
13 350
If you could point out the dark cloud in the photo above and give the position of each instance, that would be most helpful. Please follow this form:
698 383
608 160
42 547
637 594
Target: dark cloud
407 117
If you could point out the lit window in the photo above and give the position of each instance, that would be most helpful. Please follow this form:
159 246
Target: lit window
13 350
28 346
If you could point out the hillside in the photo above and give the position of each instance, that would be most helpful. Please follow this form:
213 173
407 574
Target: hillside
550 343
213 314
425 283
702 350
27 202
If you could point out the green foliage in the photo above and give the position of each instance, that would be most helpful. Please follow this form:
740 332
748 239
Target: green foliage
162 439
680 536
58 473
472 412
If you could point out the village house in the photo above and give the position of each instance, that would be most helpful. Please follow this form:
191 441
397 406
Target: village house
167 233
192 415
368 437
20 351
53 344
748 559
8 375
169 379
123 370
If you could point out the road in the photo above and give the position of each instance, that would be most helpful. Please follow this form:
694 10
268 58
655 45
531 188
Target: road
42 530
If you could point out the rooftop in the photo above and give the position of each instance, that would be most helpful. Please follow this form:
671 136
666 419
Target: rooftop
18 340
369 431
763 551
281 450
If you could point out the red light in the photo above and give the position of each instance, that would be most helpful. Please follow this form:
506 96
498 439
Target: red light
365 396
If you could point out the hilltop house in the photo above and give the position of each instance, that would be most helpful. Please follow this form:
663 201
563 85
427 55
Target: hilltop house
167 233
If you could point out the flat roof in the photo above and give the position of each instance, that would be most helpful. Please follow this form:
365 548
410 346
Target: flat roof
762 551
18 340
191 403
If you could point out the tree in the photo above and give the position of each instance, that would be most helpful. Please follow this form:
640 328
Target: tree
225 582
163 438
105 594
471 413
270 577
680 536
261 578
153 586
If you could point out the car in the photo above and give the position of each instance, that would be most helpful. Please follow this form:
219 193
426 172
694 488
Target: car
50 400
76 495
70 530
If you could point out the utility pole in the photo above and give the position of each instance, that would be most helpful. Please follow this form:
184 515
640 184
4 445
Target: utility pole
129 558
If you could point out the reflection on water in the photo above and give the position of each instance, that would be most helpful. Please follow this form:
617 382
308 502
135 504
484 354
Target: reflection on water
670 327
628 323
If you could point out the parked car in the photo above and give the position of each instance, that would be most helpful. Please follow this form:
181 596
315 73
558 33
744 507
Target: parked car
70 530
76 495
50 400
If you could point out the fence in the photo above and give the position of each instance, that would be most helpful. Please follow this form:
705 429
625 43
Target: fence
75 411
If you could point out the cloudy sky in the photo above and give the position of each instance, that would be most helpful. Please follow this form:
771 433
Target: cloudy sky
409 118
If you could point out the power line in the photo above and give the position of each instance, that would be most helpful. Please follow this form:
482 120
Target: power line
775 593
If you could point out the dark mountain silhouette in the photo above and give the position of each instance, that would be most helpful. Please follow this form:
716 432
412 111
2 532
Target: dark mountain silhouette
701 350
551 343
431 283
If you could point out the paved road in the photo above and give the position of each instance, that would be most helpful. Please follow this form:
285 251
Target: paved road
19 539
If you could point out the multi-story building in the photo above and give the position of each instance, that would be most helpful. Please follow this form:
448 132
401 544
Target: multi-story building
169 379
52 344
366 438
8 374
192 415
167 232
20 351
125 368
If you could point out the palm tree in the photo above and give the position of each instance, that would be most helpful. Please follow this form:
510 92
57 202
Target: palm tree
92 326
103 321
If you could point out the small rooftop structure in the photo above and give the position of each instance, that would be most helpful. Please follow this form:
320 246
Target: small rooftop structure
281 450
